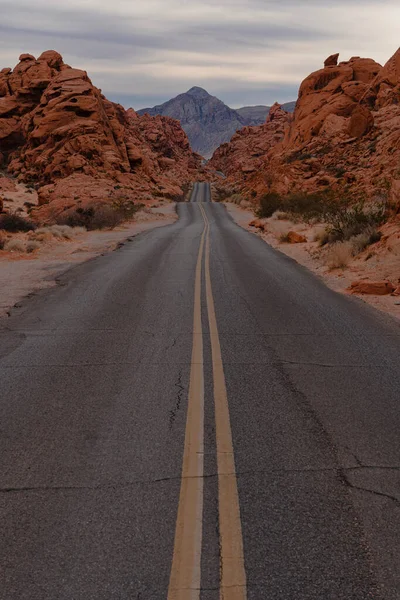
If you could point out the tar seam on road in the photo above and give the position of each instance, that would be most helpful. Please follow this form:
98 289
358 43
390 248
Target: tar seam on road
185 577
232 573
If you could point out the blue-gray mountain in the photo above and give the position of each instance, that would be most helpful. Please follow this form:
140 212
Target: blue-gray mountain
207 121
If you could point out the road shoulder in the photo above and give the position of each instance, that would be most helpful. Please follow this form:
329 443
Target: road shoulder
22 275
306 254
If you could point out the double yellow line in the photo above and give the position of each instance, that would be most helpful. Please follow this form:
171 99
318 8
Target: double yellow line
185 578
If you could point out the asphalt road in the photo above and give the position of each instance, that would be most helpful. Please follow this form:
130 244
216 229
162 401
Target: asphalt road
195 406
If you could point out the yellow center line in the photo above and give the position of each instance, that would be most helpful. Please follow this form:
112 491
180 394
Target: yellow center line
185 578
232 575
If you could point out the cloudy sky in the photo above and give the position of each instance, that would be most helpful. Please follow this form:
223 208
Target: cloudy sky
143 52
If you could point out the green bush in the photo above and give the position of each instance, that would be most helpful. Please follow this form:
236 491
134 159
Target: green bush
14 223
310 207
348 222
298 205
269 203
221 193
105 216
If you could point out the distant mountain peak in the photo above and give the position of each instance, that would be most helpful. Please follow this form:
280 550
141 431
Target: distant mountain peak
198 92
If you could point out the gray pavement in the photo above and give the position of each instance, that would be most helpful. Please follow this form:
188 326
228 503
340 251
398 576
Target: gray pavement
94 377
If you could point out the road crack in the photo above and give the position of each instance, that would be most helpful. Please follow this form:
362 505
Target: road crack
180 389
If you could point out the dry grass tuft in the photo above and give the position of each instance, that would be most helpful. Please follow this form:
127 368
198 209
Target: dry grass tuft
31 246
236 199
57 231
339 255
14 246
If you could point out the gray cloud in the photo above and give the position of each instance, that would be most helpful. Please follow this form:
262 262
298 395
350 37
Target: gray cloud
145 51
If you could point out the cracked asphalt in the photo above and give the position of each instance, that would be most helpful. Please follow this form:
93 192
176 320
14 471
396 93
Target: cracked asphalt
94 378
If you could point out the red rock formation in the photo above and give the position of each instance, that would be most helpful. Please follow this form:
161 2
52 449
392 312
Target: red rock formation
376 288
344 135
58 130
295 238
332 60
246 158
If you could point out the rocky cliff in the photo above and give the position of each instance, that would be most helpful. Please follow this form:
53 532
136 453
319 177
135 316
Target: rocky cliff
344 136
58 132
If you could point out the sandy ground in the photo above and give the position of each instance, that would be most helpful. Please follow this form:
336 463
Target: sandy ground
22 274
383 264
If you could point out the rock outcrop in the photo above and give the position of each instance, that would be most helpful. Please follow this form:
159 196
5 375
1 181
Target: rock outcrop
257 115
246 158
59 132
376 288
343 136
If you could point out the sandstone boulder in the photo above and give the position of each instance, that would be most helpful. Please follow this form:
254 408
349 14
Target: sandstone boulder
332 60
293 237
376 288
257 224
361 121
25 57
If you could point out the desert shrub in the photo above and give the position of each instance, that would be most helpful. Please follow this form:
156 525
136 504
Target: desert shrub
345 223
14 246
341 252
269 203
106 217
221 193
298 206
236 199
339 255
3 239
14 223
63 231
299 155
185 192
101 217
361 241
322 237
310 207
280 215
31 246
126 208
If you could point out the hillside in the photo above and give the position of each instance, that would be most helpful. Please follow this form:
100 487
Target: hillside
59 134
